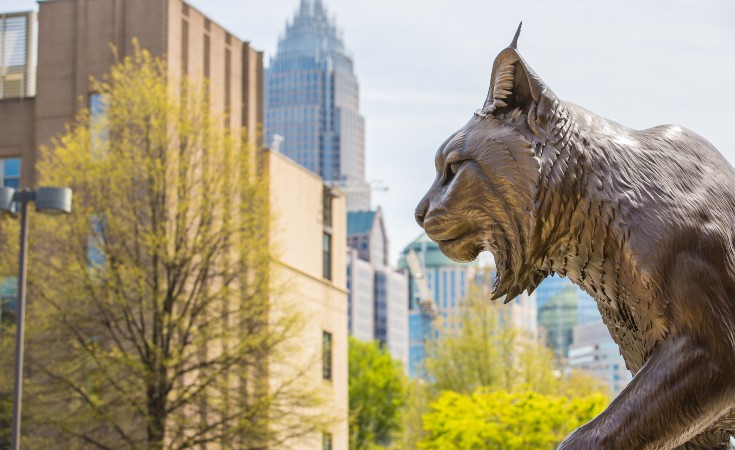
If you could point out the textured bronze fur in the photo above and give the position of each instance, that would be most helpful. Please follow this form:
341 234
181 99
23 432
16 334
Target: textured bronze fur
644 221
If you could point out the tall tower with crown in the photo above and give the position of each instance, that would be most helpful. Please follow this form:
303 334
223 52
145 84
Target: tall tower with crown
312 101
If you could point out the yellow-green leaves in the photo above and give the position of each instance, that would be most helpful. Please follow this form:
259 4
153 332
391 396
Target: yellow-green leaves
502 420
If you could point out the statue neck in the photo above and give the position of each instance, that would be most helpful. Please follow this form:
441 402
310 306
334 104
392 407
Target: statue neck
578 231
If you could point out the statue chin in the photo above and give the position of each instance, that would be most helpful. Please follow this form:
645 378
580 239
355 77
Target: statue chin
461 250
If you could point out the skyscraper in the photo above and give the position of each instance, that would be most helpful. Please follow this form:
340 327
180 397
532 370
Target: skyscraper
311 100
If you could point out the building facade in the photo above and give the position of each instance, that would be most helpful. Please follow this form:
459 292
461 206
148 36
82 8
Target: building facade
378 293
314 273
74 44
391 312
312 102
562 306
448 283
361 287
521 313
594 351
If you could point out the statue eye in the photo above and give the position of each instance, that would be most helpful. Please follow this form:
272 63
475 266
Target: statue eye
454 167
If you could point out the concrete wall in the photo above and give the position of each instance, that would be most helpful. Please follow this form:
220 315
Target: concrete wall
16 127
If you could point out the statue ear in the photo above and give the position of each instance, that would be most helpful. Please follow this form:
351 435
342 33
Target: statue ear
513 84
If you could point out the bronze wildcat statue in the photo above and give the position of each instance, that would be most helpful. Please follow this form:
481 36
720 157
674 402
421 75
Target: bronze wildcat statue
644 221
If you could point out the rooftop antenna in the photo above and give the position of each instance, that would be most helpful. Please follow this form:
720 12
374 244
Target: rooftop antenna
276 142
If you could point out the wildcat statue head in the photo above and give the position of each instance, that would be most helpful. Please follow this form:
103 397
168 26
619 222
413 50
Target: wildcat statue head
485 195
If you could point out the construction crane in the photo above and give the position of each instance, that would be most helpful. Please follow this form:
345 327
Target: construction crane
426 301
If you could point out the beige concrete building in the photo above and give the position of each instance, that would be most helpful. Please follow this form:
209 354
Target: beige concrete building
74 43
310 235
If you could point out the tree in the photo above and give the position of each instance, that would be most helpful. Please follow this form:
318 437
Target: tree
501 420
477 350
377 391
411 421
153 322
478 355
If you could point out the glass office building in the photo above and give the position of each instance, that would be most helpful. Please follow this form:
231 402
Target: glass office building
378 293
561 306
312 101
448 283
594 351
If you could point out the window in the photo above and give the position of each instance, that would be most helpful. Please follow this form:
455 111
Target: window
228 83
96 258
327 355
100 130
327 256
97 106
327 236
10 172
326 441
206 56
17 48
327 207
184 46
8 294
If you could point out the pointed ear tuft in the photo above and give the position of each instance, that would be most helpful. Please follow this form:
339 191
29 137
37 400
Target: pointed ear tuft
514 44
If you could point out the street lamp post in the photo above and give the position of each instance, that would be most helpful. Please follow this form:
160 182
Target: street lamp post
49 200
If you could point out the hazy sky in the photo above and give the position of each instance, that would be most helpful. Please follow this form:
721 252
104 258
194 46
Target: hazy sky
424 67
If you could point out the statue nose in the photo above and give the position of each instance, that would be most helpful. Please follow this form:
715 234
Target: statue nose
420 213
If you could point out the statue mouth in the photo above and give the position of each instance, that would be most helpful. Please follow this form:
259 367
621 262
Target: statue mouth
452 240
441 229
463 248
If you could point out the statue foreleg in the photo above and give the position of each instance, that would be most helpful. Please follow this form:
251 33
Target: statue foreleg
683 389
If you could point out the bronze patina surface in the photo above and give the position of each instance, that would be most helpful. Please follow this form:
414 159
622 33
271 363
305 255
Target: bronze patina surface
644 221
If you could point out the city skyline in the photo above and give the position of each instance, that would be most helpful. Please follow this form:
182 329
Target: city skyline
423 70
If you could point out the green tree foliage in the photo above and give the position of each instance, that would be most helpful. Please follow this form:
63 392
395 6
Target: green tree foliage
6 420
412 416
502 420
477 349
151 318
377 391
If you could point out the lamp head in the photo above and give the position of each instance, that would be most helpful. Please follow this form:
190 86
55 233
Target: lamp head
53 200
6 200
